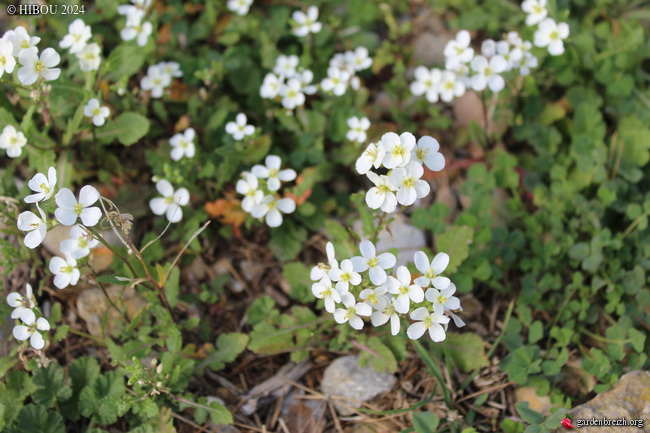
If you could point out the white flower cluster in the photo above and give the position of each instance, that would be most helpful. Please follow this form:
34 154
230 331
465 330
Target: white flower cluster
171 201
25 309
382 297
549 34
159 77
261 199
291 83
17 43
403 157
77 41
240 7
135 28
12 141
68 211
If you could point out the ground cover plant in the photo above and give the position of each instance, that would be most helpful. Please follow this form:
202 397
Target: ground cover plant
201 200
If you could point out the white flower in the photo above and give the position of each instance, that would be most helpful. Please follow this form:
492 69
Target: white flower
135 12
7 60
324 290
457 320
270 86
34 67
487 73
42 186
536 10
306 77
398 149
409 185
431 271
171 201
65 271
240 7
358 59
173 69
12 141
458 51
344 276
512 55
239 129
320 271
21 303
450 86
306 23
37 227
431 322
141 31
69 209
405 291
79 244
21 40
529 61
77 37
371 157
97 112
22 332
340 61
375 297
550 34
292 95
426 83
382 194
89 57
369 260
285 66
183 144
442 299
248 186
352 311
272 172
336 81
358 128
427 152
378 318
272 209
156 80
488 48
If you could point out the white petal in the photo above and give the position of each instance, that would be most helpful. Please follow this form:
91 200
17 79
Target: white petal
158 205
21 332
356 322
36 341
182 197
421 261
440 283
386 260
416 330
402 303
286 205
378 318
359 264
174 213
90 216
416 293
440 263
377 275
339 315
43 324
274 218
363 309
436 333
420 313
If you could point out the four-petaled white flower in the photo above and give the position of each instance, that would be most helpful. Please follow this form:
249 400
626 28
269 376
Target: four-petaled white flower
409 185
34 66
427 82
442 299
450 86
405 291
285 66
69 208
336 81
270 86
536 10
42 186
171 201
551 34
173 69
79 244
378 318
248 186
375 264
358 127
240 129
89 58
22 41
320 271
272 209
138 30
427 321
458 51
7 60
240 7
375 297
21 303
344 275
398 149
272 173
31 328
427 152
98 112
65 271
382 195
431 271
77 37
371 157
358 59
37 227
487 73
292 95
352 311
12 141
306 23
183 144
324 290
156 81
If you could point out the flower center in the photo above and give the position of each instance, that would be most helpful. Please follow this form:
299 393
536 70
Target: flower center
430 274
441 299
39 66
3 61
351 312
24 43
398 151
427 322
345 277
273 172
66 269
13 140
157 81
383 189
449 85
372 298
459 50
488 71
82 242
90 56
78 208
169 200
403 290
326 293
554 35
292 93
409 182
538 9
373 262
96 111
183 144
421 153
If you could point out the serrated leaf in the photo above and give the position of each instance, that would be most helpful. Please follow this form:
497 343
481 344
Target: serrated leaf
527 414
287 240
34 418
380 356
425 422
467 350
455 242
50 385
128 128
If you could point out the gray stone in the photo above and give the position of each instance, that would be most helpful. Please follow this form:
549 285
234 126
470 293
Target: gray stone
629 399
401 235
429 49
344 378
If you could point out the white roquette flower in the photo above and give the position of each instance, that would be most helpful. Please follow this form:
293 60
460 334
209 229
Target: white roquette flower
156 81
31 328
324 290
272 173
239 128
248 186
344 276
352 311
551 34
358 127
373 263
398 149
69 208
171 201
183 144
427 321
37 227
272 209
306 23
240 7
382 195
442 299
405 291
42 186
21 303
89 57
34 66
426 151
431 271
77 37
97 112
79 244
65 271
409 185
371 157
12 141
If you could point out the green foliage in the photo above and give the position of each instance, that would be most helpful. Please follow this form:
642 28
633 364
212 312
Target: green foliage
425 422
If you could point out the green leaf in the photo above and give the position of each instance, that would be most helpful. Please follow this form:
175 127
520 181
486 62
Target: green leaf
124 61
100 400
50 385
455 242
297 276
380 356
527 414
425 422
466 350
287 241
113 279
128 129
229 347
555 419
38 419
579 251
6 118
638 339
535 332
172 286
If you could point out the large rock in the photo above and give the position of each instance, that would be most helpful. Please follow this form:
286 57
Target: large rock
344 378
629 399
401 235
